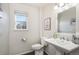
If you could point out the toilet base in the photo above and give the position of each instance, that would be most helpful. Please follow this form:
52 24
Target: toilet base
39 52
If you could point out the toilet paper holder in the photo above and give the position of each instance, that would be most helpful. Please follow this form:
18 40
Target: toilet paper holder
23 39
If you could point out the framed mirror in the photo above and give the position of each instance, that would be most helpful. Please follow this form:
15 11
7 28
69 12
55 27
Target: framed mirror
67 21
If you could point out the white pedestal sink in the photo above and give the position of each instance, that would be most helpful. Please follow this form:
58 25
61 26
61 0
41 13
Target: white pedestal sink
62 45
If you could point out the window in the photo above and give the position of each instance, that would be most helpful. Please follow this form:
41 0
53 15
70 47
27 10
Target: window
21 20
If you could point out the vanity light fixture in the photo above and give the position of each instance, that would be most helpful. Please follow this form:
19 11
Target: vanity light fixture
63 6
59 5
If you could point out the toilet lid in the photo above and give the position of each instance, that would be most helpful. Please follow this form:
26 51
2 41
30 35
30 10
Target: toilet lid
37 46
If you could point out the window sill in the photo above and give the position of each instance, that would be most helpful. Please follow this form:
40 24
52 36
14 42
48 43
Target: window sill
21 29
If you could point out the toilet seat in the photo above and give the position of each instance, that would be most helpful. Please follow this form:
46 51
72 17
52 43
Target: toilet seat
37 46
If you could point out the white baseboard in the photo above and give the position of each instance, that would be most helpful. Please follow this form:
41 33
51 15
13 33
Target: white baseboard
24 52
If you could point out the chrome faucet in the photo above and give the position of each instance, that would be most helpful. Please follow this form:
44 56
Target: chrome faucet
74 37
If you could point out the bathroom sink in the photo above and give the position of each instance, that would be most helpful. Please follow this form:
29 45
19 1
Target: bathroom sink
62 45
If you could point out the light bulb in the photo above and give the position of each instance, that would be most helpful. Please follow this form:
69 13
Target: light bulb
56 7
66 7
61 4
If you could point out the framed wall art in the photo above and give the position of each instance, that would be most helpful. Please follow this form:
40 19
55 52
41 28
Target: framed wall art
47 23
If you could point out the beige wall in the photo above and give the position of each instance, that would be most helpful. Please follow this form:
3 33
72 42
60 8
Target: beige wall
31 35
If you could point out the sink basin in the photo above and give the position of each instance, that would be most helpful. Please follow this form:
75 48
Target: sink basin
62 45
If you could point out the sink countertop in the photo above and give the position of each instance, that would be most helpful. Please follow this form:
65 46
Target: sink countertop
67 46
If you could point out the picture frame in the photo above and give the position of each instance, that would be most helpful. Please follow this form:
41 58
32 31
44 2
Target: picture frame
47 23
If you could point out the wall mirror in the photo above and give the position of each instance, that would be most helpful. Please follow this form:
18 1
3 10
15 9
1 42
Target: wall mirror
67 21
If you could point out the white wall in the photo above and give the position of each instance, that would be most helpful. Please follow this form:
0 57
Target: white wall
48 11
4 30
32 35
77 18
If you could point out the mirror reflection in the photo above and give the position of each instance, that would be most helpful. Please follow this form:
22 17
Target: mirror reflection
67 21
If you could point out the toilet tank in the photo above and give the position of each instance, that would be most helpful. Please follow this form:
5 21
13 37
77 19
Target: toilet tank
43 42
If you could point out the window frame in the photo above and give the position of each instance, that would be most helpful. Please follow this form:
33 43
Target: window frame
23 13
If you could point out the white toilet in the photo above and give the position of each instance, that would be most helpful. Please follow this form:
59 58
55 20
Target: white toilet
39 48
